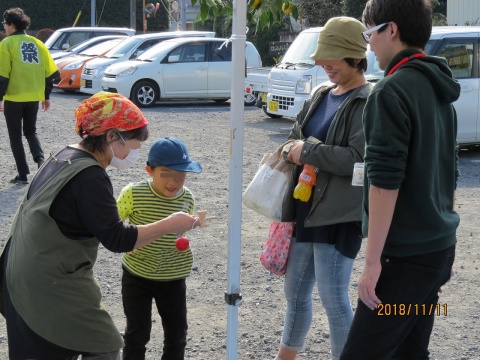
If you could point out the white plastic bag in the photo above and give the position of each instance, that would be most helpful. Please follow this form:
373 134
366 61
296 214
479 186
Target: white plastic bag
267 189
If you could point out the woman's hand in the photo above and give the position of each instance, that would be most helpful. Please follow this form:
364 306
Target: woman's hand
295 152
177 223
180 222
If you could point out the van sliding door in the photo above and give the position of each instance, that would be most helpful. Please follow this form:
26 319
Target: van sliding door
462 57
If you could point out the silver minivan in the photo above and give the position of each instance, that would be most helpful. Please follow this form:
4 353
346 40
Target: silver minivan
459 45
64 38
127 50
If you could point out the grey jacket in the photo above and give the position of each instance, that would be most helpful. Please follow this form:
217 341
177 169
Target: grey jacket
335 199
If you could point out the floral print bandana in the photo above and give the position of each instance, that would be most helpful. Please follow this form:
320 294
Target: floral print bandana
104 111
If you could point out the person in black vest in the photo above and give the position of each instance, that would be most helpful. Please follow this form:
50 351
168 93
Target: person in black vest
50 298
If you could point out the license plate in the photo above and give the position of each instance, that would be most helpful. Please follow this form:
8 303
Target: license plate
264 96
273 106
83 82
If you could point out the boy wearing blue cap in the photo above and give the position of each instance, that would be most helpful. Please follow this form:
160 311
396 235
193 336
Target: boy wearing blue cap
158 270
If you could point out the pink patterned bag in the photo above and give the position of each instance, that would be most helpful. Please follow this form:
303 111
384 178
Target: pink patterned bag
275 253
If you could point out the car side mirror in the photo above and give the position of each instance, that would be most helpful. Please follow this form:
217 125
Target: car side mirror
173 58
65 46
138 53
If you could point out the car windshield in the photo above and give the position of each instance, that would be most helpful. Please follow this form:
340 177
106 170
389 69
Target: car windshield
101 48
373 68
430 45
155 51
120 50
78 46
301 49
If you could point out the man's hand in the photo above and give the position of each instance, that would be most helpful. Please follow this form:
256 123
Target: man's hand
368 283
45 105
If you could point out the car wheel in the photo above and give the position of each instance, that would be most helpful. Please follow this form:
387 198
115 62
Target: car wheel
250 99
273 116
145 94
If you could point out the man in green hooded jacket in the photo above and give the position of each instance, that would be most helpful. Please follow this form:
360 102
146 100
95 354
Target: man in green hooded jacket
411 175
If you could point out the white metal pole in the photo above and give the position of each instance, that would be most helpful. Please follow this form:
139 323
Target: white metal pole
233 293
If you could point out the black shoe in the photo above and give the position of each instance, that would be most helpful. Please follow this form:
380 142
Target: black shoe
40 163
19 180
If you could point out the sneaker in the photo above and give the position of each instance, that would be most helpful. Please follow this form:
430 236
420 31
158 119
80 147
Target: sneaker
19 179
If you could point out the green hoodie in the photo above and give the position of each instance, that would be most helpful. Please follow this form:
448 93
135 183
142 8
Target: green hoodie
410 129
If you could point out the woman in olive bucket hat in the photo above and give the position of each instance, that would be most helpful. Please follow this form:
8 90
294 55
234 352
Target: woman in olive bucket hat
51 301
328 135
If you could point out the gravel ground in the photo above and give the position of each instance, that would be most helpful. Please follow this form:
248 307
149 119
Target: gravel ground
205 127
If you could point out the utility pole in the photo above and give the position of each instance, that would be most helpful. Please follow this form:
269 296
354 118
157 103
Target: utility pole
184 15
92 16
144 18
133 15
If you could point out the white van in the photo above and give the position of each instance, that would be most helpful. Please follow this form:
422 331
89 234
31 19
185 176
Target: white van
64 38
127 50
459 45
291 81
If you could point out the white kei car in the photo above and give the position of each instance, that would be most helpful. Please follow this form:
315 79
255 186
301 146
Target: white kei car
183 68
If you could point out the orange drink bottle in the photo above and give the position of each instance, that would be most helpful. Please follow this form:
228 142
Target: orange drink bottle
306 181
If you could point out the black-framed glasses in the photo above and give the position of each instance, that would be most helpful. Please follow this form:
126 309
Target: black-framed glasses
367 33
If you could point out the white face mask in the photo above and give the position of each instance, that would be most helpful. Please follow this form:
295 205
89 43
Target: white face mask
129 161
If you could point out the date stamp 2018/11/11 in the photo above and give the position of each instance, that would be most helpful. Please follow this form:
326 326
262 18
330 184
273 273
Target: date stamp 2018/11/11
412 309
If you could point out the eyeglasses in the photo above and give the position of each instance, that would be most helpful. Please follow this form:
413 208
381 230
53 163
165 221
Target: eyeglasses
367 33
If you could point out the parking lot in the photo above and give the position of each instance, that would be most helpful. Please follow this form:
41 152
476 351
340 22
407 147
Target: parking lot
205 127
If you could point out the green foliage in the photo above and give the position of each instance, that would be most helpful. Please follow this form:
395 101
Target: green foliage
222 25
354 8
439 19
317 12
472 23
265 13
261 41
56 14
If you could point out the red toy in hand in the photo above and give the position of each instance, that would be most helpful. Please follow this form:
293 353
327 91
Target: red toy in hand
182 243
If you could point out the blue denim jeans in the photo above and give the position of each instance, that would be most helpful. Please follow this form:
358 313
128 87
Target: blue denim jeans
321 263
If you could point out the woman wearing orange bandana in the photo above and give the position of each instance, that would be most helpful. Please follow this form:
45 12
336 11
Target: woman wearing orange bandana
50 299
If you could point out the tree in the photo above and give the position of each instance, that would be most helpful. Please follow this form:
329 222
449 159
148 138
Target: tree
354 8
317 12
265 13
